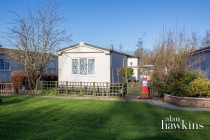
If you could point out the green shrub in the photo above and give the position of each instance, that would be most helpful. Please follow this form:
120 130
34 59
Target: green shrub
176 87
199 87
177 83
50 92
129 71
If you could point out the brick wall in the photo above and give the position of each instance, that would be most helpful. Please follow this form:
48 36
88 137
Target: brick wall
187 101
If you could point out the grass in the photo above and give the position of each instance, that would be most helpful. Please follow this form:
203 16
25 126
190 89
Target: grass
24 117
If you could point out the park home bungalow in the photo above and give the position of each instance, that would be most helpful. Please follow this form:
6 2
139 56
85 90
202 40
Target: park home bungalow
7 65
88 63
202 58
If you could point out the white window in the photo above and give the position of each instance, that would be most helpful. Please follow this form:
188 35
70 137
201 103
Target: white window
75 66
83 66
91 66
4 65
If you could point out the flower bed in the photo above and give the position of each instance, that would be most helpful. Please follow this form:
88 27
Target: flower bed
187 101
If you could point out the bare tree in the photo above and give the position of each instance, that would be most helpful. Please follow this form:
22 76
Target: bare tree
120 47
36 36
143 53
206 40
139 45
145 56
172 53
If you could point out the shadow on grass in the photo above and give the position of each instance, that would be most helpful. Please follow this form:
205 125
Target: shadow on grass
11 100
45 118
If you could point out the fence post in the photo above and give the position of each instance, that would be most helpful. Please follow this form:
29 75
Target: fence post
1 88
41 85
56 87
122 90
37 86
107 87
66 87
80 87
94 91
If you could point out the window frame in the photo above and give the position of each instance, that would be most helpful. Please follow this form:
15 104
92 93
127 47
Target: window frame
72 66
87 59
4 65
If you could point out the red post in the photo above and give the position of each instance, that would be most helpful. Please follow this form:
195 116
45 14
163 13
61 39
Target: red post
145 89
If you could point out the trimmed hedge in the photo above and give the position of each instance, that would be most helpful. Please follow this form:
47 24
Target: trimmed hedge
199 87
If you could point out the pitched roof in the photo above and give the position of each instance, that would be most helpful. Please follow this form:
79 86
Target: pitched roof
97 47
9 51
204 49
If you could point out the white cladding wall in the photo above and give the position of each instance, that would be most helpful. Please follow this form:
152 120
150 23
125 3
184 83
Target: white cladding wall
133 62
102 65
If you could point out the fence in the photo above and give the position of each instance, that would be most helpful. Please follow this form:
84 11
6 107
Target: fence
153 89
134 89
82 88
6 87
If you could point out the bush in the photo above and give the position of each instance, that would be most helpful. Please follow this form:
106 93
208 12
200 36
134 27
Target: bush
19 78
50 92
177 83
129 71
199 87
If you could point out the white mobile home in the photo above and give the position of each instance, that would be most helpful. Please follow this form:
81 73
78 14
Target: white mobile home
88 63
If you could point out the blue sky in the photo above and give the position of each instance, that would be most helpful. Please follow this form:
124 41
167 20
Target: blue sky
106 22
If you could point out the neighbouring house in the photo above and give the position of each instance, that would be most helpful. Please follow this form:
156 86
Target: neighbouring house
7 65
200 59
89 63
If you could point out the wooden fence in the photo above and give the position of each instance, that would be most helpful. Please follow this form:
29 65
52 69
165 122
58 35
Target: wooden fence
134 89
6 87
82 88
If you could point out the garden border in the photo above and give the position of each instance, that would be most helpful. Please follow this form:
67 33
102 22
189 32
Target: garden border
187 101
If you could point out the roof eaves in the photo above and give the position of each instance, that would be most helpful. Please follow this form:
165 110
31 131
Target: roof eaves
67 47
97 47
204 49
122 53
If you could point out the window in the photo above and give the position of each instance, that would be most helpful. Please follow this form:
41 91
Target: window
91 66
75 66
4 65
124 62
51 70
83 66
1 64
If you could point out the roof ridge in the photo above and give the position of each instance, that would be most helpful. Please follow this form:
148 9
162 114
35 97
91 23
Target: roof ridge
106 49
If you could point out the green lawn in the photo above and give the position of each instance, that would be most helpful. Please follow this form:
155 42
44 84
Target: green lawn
50 118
